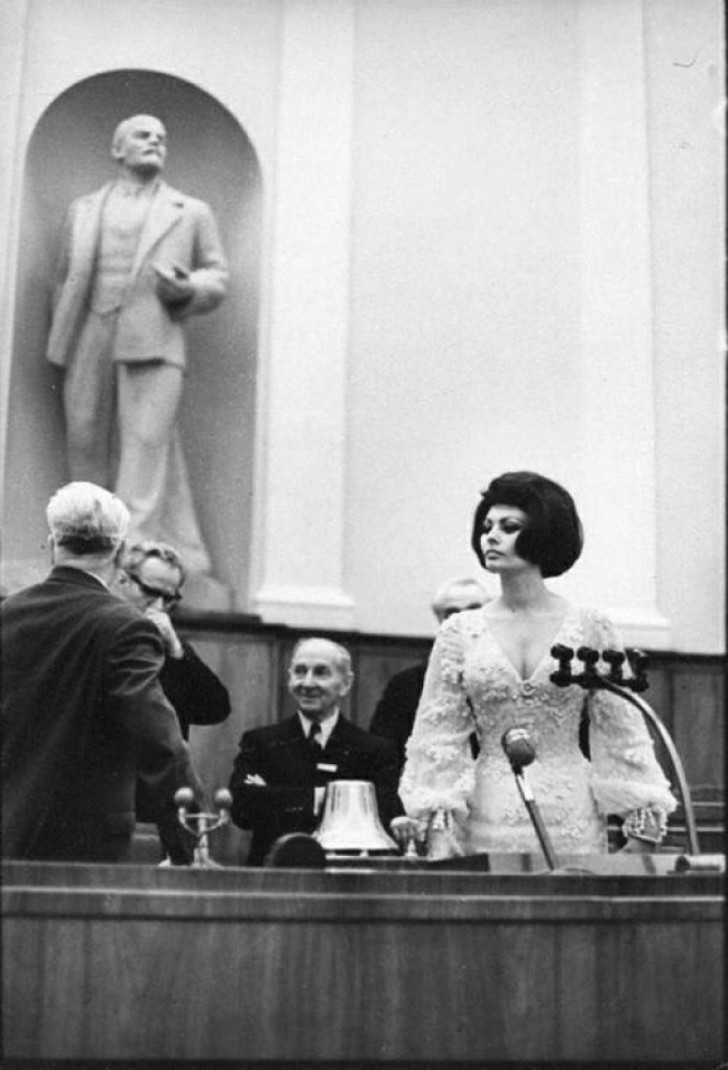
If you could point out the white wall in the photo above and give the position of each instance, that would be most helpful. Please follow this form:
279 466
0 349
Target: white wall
686 116
465 316
469 350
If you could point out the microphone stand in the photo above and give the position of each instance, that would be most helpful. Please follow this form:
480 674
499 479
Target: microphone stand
200 825
590 679
535 814
519 751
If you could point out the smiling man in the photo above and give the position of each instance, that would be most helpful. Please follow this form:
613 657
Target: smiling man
281 771
138 258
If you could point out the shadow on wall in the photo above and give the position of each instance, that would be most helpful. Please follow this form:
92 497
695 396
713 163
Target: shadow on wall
209 157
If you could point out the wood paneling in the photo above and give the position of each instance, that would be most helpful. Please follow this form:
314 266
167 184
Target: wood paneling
699 725
386 967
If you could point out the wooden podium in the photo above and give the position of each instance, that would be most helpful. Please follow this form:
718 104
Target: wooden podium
400 966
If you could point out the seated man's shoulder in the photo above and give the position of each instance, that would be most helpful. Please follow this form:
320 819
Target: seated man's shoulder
407 682
368 740
412 674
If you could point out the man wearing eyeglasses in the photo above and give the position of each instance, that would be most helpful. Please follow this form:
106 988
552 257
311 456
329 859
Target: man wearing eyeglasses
151 578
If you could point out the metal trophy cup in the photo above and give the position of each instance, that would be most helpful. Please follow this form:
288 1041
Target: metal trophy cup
350 820
200 825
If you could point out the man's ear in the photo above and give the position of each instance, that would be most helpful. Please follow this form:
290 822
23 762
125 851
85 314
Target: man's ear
118 556
51 550
347 685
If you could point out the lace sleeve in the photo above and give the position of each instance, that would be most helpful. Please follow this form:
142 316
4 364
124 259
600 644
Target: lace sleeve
625 774
439 769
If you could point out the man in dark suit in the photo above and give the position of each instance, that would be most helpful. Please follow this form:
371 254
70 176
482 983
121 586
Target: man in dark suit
83 713
281 771
151 578
394 715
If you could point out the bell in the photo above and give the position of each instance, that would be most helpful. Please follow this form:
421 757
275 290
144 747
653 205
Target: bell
350 819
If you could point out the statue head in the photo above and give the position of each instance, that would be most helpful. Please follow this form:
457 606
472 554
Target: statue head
139 144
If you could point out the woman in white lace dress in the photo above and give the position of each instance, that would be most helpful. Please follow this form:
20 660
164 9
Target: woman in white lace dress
490 671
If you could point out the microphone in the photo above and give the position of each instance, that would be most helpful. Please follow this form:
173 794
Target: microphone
520 751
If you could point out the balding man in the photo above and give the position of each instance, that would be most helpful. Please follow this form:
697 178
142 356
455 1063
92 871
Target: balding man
394 715
138 258
281 771
83 714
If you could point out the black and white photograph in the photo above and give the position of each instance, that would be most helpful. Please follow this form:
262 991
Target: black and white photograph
362 577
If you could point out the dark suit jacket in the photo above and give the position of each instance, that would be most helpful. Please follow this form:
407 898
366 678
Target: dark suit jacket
83 715
198 697
394 716
281 755
196 693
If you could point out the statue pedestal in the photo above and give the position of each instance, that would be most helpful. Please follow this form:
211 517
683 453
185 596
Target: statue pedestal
203 592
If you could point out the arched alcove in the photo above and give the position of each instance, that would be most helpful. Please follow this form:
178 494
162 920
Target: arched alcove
210 157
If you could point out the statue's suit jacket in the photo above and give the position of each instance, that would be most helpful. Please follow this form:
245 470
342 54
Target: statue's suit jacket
281 755
83 714
178 230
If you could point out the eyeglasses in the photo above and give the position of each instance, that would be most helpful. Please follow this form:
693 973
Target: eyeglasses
169 598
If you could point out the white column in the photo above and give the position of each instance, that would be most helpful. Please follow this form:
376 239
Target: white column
304 409
12 56
619 482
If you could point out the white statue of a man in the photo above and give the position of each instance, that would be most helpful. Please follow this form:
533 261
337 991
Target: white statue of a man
138 258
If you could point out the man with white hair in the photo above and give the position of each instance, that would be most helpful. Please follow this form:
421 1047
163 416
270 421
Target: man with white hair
281 771
82 711
394 715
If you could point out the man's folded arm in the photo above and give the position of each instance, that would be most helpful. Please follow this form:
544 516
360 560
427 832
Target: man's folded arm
256 802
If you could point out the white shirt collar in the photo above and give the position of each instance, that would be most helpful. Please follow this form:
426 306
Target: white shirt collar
327 726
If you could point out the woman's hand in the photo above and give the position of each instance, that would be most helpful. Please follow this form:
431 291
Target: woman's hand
407 830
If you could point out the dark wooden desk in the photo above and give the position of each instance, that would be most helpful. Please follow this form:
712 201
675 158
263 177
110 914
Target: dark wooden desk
403 967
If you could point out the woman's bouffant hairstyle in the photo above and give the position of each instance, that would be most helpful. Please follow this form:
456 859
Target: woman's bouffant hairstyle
552 538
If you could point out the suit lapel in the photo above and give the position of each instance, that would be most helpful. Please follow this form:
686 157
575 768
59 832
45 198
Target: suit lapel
87 228
338 747
164 211
292 738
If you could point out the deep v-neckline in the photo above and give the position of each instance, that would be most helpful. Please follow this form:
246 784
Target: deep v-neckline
546 654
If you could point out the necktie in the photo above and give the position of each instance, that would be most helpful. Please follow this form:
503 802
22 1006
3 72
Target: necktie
314 739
